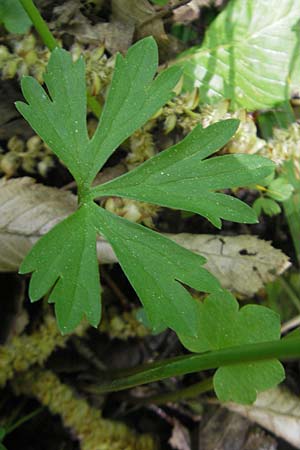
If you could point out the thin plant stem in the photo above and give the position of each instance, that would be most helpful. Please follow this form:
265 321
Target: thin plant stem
24 419
175 396
39 24
164 12
290 292
287 348
50 41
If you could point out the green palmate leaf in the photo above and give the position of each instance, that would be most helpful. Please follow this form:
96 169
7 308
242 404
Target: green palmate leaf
248 54
66 260
13 16
280 189
222 325
241 383
180 177
266 205
60 118
156 267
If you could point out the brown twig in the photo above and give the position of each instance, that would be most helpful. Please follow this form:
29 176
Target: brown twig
164 13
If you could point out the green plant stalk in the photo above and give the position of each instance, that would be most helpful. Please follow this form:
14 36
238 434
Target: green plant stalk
50 41
181 394
24 419
287 348
39 23
290 292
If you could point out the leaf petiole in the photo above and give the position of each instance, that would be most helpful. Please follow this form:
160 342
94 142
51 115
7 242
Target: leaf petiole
50 41
287 348
39 23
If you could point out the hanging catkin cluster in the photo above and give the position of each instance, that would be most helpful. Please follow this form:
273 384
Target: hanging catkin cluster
86 422
27 56
122 325
24 351
33 156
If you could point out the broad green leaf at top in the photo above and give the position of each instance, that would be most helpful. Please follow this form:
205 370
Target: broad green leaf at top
222 325
13 16
248 54
60 117
182 178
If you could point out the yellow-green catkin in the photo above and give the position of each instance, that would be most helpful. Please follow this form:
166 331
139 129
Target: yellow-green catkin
141 148
141 145
32 156
122 325
184 112
99 67
86 422
27 56
26 350
24 56
139 212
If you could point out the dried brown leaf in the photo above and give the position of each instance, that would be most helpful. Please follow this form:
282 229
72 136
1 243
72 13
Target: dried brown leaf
180 439
221 429
142 15
27 211
115 35
278 411
241 263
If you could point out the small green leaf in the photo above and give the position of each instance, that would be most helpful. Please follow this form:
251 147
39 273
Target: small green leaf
294 334
13 16
60 118
280 189
241 383
156 268
248 54
65 261
132 99
222 325
181 178
267 206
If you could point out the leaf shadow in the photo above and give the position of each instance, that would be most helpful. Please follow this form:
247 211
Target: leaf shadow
213 45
